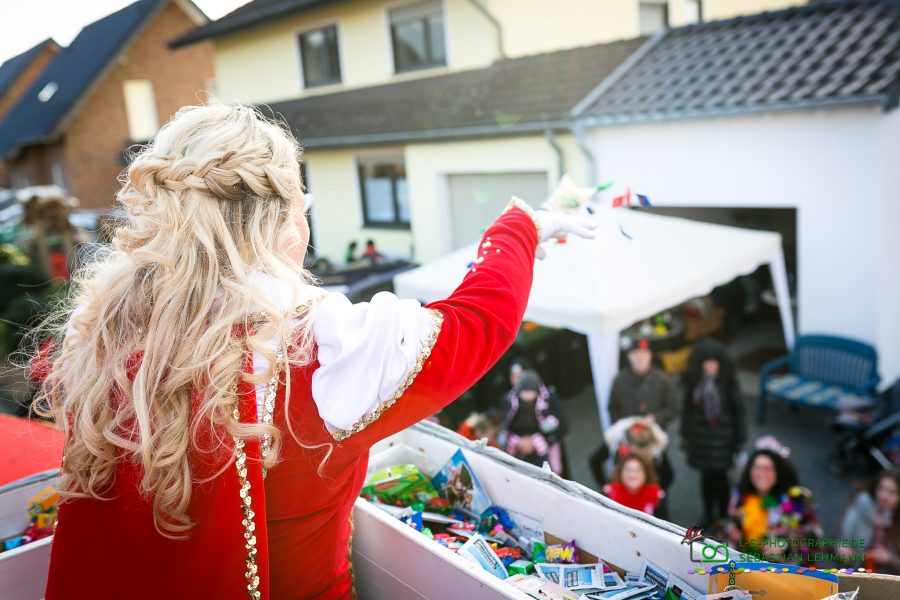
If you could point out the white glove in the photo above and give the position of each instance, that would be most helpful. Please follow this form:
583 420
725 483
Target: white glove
558 225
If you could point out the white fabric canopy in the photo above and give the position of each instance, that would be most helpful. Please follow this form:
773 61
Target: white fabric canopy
638 265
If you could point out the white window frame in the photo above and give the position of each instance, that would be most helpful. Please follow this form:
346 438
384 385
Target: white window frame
668 5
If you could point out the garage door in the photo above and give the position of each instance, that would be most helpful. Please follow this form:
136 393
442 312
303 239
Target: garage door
477 199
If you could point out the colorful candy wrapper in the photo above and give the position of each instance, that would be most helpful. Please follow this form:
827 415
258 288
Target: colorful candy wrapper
562 553
400 484
538 552
479 551
520 567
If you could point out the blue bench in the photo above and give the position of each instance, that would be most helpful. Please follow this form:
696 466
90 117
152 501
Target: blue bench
820 370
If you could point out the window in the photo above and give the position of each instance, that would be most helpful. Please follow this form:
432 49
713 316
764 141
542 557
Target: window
654 15
417 36
140 108
693 11
384 195
319 55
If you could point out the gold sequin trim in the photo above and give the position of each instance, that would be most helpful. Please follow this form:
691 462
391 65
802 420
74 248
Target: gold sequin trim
350 558
257 317
424 353
519 203
269 406
252 573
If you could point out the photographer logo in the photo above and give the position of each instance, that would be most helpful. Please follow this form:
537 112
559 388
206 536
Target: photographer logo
704 552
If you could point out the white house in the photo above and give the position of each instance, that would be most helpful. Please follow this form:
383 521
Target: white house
794 109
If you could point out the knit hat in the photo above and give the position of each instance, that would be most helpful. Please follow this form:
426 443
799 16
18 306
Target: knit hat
529 381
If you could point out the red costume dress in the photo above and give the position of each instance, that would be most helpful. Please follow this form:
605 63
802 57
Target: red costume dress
286 534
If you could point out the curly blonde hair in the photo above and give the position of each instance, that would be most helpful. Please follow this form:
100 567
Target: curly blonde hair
210 201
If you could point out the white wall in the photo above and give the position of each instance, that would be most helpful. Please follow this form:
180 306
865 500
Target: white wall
427 167
834 166
889 253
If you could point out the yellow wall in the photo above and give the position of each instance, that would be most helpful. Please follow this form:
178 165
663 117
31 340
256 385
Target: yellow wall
538 26
337 212
263 63
725 9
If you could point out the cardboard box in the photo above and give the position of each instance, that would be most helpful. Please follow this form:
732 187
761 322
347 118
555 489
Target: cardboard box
23 570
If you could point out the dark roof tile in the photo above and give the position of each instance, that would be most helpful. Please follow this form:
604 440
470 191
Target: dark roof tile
846 50
508 96
249 15
13 67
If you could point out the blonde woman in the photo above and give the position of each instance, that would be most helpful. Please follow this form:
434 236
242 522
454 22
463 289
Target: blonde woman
219 407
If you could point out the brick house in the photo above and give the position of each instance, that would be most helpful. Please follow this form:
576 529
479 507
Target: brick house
17 74
111 88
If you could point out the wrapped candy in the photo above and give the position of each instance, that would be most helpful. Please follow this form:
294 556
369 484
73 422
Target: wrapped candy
562 553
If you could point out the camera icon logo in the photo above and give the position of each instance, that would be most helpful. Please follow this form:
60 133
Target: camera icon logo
704 552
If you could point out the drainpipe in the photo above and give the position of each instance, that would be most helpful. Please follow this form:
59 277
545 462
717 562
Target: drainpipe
494 21
560 157
578 132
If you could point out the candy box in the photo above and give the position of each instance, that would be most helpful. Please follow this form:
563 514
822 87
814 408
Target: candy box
23 569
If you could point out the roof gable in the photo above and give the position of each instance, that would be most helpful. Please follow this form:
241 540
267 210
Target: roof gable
815 55
249 15
35 117
12 68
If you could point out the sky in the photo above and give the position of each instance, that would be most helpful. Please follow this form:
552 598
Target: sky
25 23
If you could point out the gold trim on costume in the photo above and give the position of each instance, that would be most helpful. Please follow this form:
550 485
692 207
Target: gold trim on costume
424 353
240 464
519 203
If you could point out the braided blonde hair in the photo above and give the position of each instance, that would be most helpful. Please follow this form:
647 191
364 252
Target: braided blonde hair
210 201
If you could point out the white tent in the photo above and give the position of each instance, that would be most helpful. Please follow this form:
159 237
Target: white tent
638 265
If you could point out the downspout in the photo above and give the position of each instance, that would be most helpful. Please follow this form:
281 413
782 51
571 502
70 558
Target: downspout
578 132
560 157
494 21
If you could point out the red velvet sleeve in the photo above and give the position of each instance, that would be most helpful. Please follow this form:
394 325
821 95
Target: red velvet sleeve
480 321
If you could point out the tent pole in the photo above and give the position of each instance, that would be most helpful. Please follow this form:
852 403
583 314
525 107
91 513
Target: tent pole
782 293
603 347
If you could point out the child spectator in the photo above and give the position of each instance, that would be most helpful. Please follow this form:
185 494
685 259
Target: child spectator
634 485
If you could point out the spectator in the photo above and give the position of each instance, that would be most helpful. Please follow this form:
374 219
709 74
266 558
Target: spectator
479 426
770 515
713 424
872 516
350 254
372 254
634 485
532 428
640 390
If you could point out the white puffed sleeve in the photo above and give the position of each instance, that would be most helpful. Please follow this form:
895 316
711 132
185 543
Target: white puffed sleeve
367 355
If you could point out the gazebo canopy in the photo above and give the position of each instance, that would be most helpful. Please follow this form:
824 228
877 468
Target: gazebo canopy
638 265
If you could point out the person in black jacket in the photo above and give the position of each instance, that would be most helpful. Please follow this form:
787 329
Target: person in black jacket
713 424
532 427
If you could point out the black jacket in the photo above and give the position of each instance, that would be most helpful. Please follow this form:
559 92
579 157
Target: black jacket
713 448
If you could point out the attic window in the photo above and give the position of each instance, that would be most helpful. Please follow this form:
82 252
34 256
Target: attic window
45 94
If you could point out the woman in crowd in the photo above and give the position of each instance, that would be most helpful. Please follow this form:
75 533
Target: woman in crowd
218 407
713 424
770 515
872 517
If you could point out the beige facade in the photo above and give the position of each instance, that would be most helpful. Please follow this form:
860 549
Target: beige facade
263 64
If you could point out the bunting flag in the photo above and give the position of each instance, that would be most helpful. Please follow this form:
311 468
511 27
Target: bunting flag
645 201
